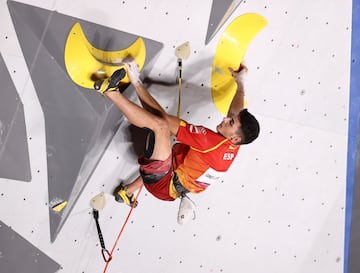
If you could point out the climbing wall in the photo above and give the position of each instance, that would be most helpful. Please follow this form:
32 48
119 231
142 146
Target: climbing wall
280 208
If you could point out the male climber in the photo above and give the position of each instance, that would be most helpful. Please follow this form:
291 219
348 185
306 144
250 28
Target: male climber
200 155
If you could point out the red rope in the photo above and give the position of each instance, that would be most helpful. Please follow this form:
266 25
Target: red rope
122 228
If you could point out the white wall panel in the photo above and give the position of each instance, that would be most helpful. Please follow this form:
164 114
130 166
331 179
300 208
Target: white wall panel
280 208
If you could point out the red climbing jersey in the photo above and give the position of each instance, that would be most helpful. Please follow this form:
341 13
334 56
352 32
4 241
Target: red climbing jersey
202 156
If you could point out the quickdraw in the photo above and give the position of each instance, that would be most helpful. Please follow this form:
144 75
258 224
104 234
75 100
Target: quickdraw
182 52
104 252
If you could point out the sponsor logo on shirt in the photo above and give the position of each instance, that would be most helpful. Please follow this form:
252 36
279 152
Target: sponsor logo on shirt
212 177
209 176
197 129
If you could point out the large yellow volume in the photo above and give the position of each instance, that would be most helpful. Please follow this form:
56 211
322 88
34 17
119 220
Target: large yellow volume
230 52
85 64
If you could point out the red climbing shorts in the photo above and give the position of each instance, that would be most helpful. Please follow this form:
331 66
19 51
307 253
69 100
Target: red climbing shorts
157 177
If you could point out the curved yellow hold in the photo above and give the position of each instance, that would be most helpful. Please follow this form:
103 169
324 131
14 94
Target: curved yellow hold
86 64
230 52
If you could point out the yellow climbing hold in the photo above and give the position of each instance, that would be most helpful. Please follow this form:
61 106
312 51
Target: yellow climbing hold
230 52
85 64
60 206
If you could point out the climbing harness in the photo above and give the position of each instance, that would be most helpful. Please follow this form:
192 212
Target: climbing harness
178 186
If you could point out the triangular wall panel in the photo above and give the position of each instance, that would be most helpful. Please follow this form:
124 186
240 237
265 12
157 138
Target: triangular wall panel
14 153
21 256
221 10
79 124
